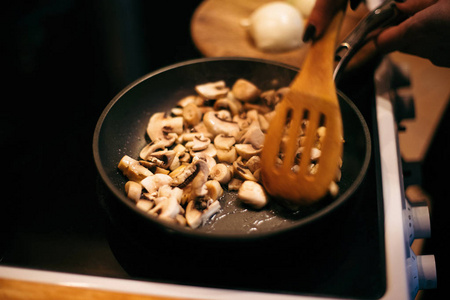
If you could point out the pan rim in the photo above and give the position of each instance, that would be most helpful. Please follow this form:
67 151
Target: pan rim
175 228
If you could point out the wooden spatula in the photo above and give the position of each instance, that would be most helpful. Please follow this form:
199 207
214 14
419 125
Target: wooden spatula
311 103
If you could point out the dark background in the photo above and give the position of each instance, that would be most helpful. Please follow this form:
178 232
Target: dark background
63 61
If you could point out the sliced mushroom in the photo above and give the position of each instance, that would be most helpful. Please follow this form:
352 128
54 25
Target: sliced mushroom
198 183
221 172
198 101
196 217
192 114
166 209
211 210
210 161
224 115
242 171
254 163
210 151
253 136
132 169
269 97
216 126
245 91
227 156
133 190
201 128
247 150
196 173
162 159
159 170
245 119
215 190
165 129
144 204
253 194
260 108
223 141
177 171
198 143
154 182
168 191
235 184
233 105
212 90
193 215
152 147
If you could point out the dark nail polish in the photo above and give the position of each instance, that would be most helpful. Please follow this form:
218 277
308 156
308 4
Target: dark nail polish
354 4
309 33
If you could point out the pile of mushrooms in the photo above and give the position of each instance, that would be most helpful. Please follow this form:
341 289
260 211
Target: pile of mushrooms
209 142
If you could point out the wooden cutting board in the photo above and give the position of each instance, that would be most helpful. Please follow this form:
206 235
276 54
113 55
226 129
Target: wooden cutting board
216 32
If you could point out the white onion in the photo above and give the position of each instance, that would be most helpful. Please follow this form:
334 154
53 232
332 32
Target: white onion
276 26
304 6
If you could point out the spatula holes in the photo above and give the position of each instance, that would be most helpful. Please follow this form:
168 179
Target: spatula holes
312 165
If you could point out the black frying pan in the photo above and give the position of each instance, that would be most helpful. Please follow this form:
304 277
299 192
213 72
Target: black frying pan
121 129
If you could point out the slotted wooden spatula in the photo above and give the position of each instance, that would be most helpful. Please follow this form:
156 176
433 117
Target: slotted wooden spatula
311 103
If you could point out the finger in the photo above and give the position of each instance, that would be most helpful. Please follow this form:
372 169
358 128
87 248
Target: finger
415 35
411 7
321 16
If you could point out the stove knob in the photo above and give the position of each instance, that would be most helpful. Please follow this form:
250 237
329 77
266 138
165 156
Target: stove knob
422 271
421 222
417 221
426 267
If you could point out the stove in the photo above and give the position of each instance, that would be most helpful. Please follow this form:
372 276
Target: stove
361 252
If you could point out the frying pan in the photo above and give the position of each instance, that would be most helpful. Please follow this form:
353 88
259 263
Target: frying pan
121 130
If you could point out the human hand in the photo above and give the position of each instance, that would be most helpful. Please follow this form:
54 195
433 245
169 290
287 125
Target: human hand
321 16
426 33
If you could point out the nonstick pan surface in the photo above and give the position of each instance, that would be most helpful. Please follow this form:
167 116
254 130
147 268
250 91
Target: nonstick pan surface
121 130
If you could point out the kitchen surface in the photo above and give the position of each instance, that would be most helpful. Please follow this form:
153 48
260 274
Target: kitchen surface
67 59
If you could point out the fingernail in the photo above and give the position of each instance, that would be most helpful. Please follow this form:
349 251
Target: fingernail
309 33
354 4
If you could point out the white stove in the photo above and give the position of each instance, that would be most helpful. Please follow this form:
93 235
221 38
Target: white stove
405 272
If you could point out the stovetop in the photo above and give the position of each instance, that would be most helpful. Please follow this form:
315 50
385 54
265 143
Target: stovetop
67 230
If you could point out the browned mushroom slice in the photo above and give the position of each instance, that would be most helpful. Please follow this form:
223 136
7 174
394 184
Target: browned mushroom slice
196 173
132 169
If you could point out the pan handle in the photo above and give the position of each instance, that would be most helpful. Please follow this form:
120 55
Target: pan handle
383 16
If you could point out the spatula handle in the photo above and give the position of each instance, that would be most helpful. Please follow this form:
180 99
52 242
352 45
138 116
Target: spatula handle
319 62
384 15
